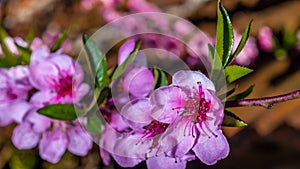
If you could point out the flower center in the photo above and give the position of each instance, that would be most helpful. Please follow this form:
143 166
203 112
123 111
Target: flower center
197 106
155 128
204 107
64 86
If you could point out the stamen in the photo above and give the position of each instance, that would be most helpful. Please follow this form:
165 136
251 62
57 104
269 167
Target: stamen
193 131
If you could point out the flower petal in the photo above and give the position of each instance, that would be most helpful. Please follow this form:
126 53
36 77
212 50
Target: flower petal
213 149
117 122
178 139
133 146
167 102
105 157
4 118
40 123
64 63
44 79
137 113
127 161
79 141
189 79
163 162
125 51
38 55
18 110
80 92
139 82
53 145
24 137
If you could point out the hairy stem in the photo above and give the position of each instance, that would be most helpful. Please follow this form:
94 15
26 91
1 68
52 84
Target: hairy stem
266 102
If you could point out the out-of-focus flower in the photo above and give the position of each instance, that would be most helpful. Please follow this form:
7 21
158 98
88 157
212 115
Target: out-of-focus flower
14 91
265 39
58 80
56 83
198 50
37 44
136 82
249 53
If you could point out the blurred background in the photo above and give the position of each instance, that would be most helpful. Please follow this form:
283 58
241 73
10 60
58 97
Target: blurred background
272 137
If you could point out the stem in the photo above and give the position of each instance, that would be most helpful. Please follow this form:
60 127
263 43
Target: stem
266 102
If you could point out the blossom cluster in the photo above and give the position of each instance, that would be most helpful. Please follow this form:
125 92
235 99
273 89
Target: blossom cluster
50 78
167 126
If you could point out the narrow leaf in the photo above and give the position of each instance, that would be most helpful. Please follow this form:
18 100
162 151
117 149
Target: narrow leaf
241 44
105 92
59 111
59 41
232 120
228 93
235 72
120 69
97 63
9 59
25 54
242 95
216 71
160 78
94 124
224 38
30 36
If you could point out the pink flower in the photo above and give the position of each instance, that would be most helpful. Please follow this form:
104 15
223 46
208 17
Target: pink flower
137 81
58 79
249 53
53 137
143 140
177 124
53 145
198 50
265 39
196 115
14 91
61 78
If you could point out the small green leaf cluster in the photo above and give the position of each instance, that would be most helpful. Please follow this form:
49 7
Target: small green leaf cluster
222 56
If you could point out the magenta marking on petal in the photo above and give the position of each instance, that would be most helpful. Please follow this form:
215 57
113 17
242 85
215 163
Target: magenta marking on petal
63 86
155 128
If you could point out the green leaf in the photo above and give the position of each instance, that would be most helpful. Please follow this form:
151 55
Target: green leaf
25 54
105 92
59 111
241 44
216 71
224 38
94 124
235 72
120 69
59 41
230 92
232 120
30 36
97 63
9 59
242 95
160 78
